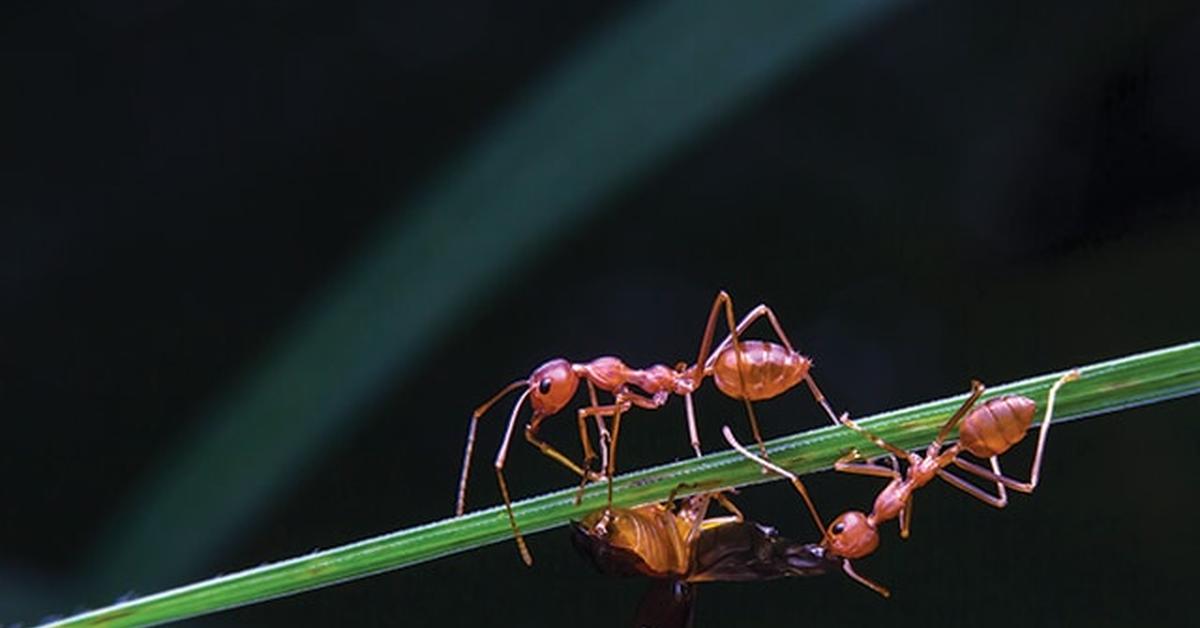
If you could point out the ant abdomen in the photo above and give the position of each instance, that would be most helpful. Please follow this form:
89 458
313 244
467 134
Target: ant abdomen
768 370
992 428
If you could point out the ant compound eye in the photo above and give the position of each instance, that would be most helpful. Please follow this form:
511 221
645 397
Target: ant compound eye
838 528
544 386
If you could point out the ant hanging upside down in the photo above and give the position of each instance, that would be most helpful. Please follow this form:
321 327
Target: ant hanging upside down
987 431
750 370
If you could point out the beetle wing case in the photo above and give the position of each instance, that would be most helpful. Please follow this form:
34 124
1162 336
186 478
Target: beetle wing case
744 551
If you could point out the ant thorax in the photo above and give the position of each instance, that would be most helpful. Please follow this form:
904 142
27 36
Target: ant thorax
891 500
660 380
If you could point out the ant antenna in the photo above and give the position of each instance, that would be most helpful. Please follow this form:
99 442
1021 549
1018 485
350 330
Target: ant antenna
866 582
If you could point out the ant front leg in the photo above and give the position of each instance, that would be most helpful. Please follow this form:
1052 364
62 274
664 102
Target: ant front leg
531 430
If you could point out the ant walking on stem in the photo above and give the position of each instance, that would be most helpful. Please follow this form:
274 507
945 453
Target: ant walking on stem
987 431
750 370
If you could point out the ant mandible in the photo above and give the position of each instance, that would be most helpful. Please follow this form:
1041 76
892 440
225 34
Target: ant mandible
987 432
749 370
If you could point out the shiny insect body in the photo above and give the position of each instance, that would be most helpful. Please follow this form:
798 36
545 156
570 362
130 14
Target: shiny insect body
986 431
679 547
748 370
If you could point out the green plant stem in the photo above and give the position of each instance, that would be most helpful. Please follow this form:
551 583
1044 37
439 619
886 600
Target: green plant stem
1104 387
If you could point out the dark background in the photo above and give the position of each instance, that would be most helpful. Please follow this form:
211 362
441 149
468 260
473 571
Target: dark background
944 191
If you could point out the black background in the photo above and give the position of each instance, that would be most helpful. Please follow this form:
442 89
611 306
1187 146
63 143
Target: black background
958 190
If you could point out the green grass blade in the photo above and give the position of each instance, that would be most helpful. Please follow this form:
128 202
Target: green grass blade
1104 387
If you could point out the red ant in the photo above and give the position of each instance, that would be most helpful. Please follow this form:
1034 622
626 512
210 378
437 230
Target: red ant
987 432
749 370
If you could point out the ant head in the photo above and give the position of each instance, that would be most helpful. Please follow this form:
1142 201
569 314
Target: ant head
551 387
852 535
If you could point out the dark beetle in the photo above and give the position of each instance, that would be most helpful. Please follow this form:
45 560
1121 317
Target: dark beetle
678 547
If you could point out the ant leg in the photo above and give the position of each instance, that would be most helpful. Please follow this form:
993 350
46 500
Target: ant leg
999 500
691 424
820 397
879 442
792 477
977 389
589 457
512 520
612 454
704 358
461 502
501 454
866 582
758 312
992 476
724 301
602 429
531 430
762 446
906 517
846 464
737 349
